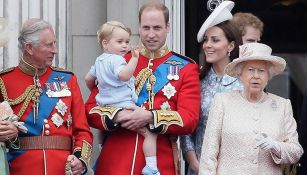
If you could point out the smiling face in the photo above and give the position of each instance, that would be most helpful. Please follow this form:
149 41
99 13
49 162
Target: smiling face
216 46
117 43
255 76
153 29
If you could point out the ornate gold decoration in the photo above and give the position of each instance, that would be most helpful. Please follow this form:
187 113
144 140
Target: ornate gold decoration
141 79
26 96
60 69
108 111
157 54
29 69
86 152
167 118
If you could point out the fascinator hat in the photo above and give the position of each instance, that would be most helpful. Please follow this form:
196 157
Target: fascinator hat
221 13
255 51
4 33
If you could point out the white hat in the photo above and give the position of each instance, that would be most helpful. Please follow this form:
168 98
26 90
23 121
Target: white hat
4 33
255 51
220 14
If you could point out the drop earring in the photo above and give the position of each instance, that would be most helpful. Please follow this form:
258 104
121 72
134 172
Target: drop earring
229 53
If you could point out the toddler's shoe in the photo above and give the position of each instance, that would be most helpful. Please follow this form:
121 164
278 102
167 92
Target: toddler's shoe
148 171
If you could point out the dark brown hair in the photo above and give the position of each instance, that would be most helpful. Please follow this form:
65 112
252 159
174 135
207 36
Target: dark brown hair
232 34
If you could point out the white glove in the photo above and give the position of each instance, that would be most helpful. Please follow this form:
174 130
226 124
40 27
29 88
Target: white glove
268 144
14 119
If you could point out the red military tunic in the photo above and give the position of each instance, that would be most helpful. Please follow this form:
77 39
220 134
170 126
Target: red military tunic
117 154
14 83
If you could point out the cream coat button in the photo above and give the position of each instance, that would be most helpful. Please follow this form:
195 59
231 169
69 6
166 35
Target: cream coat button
45 121
47 132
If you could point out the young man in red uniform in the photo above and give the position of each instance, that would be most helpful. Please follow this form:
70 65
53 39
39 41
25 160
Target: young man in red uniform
168 91
49 102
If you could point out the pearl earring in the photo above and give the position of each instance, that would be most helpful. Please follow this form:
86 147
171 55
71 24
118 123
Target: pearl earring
229 53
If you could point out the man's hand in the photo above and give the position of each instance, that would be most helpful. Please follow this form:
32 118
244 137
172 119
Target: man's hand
76 165
134 118
8 131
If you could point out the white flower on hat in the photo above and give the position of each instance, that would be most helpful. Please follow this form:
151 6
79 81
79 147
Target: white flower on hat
4 32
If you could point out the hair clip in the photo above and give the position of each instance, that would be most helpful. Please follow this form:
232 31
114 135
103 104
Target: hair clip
212 4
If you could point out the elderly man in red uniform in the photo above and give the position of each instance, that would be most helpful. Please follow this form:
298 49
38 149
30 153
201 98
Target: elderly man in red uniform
169 100
48 100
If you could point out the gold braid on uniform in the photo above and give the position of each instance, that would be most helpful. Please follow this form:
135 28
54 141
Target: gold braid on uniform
26 96
141 78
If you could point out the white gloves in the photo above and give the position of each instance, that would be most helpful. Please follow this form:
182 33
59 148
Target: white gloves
14 119
266 143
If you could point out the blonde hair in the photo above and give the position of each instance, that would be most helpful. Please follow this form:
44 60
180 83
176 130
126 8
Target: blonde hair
106 30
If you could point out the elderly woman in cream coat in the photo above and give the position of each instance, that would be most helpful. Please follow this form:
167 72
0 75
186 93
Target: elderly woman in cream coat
250 131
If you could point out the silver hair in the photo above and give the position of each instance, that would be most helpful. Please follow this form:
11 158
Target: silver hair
31 34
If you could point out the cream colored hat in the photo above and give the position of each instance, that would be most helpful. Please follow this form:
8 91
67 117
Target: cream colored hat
4 32
220 14
256 51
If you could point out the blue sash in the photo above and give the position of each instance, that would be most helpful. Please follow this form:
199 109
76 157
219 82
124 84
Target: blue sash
161 75
46 106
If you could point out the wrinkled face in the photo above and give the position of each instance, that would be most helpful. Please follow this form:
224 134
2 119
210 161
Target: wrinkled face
153 29
216 45
42 54
118 43
255 76
252 35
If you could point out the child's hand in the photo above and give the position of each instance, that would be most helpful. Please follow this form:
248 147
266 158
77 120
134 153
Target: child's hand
135 51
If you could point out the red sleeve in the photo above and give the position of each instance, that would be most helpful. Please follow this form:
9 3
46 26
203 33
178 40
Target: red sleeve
188 103
81 130
94 120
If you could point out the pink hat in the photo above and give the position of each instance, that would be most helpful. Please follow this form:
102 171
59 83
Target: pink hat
255 51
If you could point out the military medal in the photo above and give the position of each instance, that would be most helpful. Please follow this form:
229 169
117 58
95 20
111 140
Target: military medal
170 74
176 72
57 89
61 107
165 106
169 90
69 120
57 119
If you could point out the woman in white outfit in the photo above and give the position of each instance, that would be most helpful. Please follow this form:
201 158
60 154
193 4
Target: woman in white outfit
250 131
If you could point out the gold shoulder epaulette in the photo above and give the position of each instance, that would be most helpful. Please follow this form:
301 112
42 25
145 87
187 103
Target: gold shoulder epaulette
60 70
7 70
184 57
